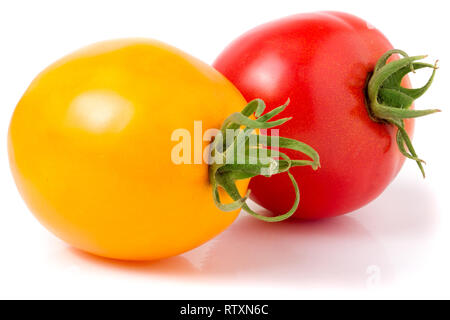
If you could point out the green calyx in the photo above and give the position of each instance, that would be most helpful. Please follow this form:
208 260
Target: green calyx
389 102
238 152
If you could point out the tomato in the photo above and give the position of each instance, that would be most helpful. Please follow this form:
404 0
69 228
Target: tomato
322 62
90 149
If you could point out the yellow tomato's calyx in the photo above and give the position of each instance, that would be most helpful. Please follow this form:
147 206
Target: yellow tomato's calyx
388 102
238 153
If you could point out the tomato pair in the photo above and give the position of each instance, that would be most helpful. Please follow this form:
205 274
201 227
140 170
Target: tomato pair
90 141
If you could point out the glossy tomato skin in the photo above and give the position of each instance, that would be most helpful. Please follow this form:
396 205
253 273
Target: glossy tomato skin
321 61
90 149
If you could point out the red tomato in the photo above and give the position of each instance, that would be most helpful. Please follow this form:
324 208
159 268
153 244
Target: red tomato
321 61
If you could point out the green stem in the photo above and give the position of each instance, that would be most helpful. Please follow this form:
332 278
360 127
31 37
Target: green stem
388 102
237 153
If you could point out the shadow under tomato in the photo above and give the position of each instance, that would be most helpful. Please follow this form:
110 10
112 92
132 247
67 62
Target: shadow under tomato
290 253
337 251
169 266
405 211
370 247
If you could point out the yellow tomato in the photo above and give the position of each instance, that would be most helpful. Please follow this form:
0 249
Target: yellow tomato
90 149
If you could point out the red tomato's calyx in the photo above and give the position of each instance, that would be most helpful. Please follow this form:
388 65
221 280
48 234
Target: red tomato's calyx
247 155
389 102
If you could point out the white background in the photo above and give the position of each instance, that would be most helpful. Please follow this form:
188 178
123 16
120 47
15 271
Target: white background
396 247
